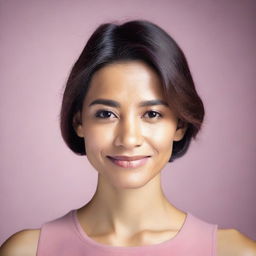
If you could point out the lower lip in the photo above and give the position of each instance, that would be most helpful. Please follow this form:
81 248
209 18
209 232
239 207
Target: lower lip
129 164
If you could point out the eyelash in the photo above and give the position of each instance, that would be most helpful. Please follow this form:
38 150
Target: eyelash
97 115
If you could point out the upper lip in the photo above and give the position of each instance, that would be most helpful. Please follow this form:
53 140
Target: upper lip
128 158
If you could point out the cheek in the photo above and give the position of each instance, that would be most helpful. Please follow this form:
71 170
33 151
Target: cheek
100 138
161 136
97 139
96 142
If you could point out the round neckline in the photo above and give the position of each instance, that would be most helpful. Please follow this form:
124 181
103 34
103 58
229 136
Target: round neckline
83 235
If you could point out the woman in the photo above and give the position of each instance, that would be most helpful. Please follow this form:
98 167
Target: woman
130 106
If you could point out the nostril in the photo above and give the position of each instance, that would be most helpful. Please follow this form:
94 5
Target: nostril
129 139
129 131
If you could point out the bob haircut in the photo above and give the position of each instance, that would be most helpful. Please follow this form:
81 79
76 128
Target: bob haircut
134 40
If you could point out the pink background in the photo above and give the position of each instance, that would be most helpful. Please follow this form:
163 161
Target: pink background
41 179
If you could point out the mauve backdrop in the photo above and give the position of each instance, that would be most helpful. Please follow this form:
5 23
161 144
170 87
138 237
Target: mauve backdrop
41 179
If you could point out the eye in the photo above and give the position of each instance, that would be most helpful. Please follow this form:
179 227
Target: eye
153 114
104 114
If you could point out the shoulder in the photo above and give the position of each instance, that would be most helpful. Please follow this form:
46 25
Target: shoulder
22 243
233 242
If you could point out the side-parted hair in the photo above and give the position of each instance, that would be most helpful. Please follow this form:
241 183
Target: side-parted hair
134 40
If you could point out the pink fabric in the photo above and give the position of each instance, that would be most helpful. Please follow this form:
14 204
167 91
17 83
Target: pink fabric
64 236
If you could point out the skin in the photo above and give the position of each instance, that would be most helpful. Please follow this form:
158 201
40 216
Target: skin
127 202
124 197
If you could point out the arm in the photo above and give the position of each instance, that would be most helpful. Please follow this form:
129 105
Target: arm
22 243
232 242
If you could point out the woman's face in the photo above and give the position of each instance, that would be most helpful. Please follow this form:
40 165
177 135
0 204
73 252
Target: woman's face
125 114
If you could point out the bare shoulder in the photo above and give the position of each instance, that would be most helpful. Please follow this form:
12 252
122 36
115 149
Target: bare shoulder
233 242
22 243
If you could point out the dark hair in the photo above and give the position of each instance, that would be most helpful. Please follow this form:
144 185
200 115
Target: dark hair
134 40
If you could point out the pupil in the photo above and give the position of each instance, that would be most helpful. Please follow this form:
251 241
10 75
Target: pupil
106 114
152 114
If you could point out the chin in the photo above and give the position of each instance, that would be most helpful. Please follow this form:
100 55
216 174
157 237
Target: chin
130 181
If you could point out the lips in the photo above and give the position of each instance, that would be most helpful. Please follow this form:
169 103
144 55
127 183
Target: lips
127 158
129 161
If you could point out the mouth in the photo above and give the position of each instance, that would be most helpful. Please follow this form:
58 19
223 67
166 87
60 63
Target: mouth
129 161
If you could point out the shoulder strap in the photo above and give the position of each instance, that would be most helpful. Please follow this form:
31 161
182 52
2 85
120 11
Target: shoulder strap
199 238
55 236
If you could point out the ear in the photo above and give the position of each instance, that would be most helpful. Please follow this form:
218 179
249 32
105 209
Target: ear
77 124
180 131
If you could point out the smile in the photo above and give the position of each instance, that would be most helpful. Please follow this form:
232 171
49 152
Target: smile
129 163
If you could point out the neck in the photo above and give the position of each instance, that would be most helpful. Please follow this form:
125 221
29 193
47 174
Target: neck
128 211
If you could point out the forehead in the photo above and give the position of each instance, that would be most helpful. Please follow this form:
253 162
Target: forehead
130 79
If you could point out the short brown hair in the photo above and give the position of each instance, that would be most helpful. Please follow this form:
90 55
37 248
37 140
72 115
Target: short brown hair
134 40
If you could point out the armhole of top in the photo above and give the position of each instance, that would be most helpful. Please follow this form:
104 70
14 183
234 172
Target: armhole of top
39 242
214 240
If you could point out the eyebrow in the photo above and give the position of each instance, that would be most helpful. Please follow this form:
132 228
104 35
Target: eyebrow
115 104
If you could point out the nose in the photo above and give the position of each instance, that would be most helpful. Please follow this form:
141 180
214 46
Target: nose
129 133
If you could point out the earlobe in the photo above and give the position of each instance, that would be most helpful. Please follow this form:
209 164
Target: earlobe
180 131
77 124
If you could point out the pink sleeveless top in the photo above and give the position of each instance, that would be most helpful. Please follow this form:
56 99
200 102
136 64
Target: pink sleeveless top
64 236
